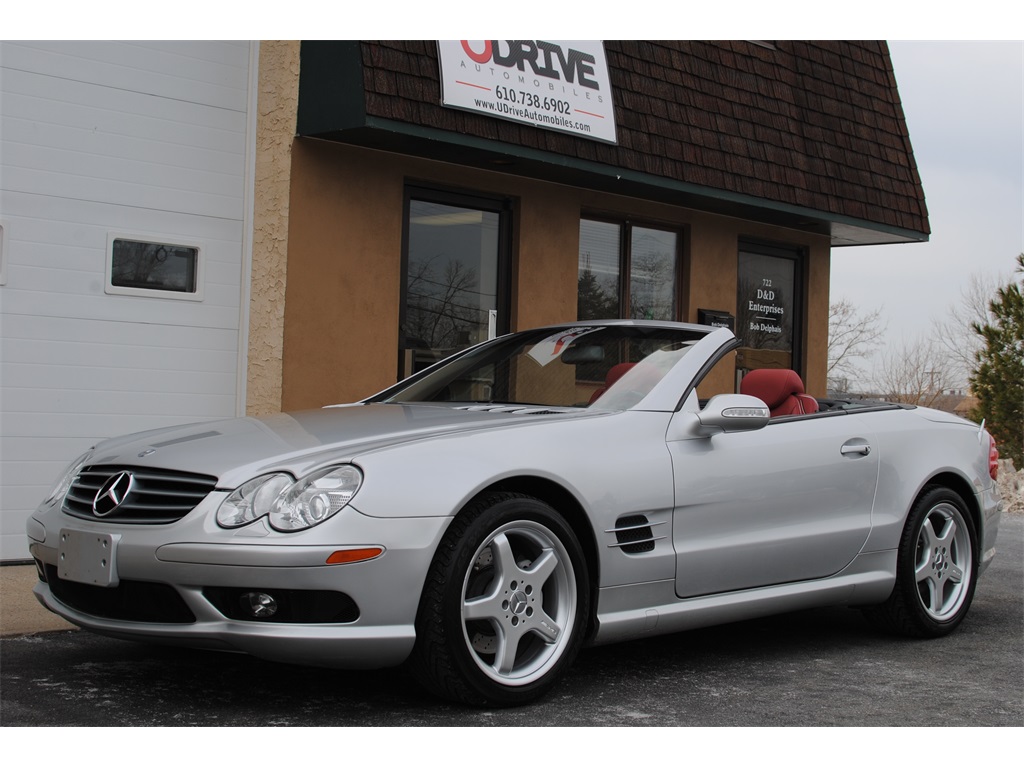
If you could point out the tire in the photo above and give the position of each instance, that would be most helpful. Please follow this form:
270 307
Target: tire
936 568
505 607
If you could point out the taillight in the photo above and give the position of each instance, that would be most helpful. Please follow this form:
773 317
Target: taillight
993 458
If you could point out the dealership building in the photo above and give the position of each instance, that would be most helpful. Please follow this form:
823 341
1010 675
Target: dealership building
198 230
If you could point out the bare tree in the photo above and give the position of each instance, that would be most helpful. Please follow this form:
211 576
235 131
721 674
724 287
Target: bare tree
853 336
651 287
955 329
917 372
442 306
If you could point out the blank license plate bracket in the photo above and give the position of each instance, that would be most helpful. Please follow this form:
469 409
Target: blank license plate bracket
88 557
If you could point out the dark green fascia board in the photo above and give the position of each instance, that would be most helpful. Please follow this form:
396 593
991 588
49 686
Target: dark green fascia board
431 143
331 93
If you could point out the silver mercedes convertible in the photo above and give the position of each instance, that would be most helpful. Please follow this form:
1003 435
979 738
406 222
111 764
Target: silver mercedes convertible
487 517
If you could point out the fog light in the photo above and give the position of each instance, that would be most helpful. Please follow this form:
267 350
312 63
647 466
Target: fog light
260 605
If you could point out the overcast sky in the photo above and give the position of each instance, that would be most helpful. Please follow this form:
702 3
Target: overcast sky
964 104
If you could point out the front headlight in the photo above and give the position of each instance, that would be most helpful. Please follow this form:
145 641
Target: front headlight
290 505
67 478
252 500
315 498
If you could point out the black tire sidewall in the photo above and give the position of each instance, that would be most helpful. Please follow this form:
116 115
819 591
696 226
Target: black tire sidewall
488 517
906 585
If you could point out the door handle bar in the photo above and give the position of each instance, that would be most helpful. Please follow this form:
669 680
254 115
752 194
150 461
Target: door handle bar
863 450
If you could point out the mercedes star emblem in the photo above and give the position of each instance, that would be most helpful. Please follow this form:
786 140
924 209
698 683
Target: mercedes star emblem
113 493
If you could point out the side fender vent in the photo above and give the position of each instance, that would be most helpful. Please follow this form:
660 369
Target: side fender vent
634 534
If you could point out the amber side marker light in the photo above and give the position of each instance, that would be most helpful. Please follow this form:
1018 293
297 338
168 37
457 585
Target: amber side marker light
354 555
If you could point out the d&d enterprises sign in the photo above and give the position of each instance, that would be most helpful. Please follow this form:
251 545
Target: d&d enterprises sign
561 85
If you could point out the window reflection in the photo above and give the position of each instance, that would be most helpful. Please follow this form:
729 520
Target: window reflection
652 256
451 297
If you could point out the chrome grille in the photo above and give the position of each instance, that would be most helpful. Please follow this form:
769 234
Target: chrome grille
156 495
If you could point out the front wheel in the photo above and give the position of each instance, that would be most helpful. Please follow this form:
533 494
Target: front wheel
505 606
936 568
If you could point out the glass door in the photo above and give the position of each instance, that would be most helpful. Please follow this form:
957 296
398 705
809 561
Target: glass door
455 264
768 316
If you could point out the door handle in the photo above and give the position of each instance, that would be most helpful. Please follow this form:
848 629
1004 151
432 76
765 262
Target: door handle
863 449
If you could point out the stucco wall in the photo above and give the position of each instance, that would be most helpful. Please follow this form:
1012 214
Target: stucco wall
344 275
277 104
816 329
544 277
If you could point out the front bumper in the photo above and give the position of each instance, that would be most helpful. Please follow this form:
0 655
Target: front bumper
179 584
346 647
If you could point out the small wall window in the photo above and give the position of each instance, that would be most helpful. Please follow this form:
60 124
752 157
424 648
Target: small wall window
151 267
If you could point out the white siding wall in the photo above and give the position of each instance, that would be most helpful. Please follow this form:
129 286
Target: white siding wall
141 139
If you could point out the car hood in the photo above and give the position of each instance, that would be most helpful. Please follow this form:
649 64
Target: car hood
236 449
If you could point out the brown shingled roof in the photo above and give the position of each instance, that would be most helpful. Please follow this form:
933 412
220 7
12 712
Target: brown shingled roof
814 125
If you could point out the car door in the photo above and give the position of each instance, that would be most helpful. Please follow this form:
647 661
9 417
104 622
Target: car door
786 503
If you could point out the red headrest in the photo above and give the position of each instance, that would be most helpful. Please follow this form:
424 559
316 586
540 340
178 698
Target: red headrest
781 389
616 373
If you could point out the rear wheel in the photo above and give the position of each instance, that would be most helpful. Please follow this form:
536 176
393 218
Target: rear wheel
936 568
505 607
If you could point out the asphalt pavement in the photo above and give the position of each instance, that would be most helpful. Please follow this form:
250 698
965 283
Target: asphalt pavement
813 668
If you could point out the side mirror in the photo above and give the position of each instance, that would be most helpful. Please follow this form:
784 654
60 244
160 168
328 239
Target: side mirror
731 413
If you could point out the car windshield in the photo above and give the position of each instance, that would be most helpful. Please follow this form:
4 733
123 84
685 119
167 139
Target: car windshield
605 366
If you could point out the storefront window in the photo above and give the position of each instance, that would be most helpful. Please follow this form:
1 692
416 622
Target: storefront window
767 315
453 279
648 256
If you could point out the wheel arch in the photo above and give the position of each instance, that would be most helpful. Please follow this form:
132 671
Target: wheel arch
940 607
559 498
963 488
532 511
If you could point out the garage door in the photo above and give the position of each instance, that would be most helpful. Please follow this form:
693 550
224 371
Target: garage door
123 176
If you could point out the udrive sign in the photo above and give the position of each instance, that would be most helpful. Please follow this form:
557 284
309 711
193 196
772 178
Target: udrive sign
561 85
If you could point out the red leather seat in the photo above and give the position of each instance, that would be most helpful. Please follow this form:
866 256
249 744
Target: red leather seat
781 390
